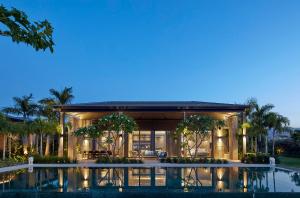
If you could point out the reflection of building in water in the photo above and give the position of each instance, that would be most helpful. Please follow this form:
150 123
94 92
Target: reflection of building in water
196 177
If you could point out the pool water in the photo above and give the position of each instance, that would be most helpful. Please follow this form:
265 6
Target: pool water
150 180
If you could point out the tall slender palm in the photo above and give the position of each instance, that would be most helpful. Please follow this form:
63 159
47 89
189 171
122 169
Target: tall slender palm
278 124
43 127
62 97
258 120
271 122
8 129
4 130
46 110
25 107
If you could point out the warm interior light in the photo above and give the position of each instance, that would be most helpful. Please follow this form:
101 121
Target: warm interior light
25 151
220 173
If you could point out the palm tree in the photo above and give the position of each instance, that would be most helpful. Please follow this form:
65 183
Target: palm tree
278 124
43 127
8 129
258 120
4 130
46 110
23 106
62 97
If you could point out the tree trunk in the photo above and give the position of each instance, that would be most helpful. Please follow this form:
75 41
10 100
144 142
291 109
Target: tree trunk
252 144
41 144
196 147
4 146
37 144
212 144
53 144
9 146
273 142
259 143
30 141
255 149
47 149
25 144
266 144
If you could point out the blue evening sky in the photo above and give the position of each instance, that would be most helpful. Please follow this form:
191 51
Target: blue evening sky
215 51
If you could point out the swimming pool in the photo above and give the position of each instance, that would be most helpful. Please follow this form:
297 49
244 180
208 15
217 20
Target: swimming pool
115 181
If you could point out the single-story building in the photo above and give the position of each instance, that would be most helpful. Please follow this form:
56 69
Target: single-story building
157 121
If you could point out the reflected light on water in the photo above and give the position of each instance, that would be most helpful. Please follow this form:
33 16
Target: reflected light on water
220 173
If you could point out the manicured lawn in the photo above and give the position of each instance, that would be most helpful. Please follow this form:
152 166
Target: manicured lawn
289 162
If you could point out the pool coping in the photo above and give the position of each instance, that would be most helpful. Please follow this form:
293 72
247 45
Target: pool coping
12 168
147 165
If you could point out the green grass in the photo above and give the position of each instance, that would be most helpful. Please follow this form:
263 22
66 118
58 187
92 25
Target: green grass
292 162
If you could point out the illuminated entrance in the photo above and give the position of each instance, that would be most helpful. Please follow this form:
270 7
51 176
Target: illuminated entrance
147 143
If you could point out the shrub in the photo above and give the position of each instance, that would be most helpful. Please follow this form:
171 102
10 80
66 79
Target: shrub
50 159
175 160
186 160
253 158
181 160
288 148
135 161
203 160
218 161
117 160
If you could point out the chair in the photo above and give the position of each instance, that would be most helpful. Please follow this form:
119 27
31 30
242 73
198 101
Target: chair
162 155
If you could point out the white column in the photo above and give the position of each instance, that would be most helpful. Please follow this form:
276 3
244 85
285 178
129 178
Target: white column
244 134
61 138
244 141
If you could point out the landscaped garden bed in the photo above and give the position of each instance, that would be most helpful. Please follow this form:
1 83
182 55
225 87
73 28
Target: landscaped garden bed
51 160
118 160
9 162
185 160
258 158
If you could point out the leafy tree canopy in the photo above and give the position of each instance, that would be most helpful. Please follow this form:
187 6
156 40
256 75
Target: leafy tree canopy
22 106
198 124
62 97
43 126
16 24
90 131
117 122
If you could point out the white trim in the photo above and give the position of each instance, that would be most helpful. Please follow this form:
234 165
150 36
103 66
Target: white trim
12 168
148 165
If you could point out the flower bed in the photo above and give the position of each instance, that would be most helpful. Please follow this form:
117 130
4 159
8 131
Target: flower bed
185 160
117 160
